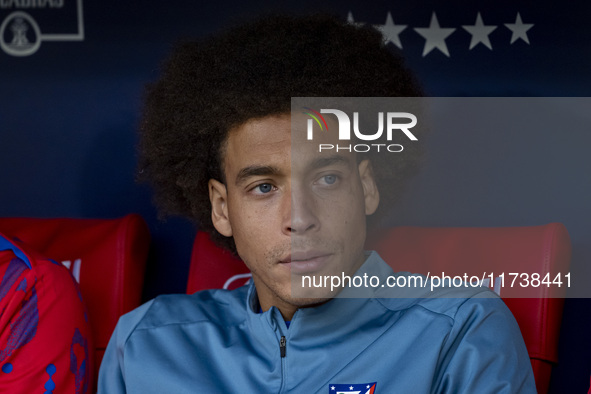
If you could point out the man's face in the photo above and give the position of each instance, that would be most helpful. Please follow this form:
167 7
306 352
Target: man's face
290 209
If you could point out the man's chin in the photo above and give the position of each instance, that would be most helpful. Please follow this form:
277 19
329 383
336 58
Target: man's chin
311 295
308 302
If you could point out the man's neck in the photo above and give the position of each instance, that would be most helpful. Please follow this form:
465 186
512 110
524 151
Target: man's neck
287 310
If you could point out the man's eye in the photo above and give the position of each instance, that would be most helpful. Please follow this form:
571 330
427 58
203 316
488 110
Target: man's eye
263 188
329 179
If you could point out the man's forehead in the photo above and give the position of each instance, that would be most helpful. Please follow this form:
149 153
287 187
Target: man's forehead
269 143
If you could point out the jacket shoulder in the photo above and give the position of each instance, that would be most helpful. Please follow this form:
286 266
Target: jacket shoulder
222 307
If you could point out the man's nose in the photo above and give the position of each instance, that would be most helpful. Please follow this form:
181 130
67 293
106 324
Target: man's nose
300 213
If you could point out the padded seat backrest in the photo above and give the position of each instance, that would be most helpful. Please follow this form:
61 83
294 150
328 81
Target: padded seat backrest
106 256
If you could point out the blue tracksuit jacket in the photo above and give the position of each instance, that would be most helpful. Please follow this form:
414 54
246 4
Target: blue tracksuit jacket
216 342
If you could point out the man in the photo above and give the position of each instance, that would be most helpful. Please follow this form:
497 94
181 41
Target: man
220 144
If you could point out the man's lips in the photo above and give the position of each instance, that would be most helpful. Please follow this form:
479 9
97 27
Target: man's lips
306 262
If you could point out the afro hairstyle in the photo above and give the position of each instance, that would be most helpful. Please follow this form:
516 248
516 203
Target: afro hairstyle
210 85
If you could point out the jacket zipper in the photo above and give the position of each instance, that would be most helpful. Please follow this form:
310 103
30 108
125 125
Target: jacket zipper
282 343
282 352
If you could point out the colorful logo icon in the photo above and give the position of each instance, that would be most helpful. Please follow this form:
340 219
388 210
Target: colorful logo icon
315 115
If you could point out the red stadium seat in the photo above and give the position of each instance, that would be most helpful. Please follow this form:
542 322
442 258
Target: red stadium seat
455 251
213 267
106 256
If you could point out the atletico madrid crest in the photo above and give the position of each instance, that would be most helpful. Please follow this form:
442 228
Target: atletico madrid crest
365 388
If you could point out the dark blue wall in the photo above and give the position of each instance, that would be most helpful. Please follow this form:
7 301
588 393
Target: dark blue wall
69 110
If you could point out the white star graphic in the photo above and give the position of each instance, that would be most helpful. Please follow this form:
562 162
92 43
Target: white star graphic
390 31
519 29
332 388
479 32
351 21
434 36
350 387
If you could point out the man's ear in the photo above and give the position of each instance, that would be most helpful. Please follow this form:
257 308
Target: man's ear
218 196
370 189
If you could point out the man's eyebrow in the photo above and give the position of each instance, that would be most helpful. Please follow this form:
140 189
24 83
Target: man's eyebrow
321 162
255 170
